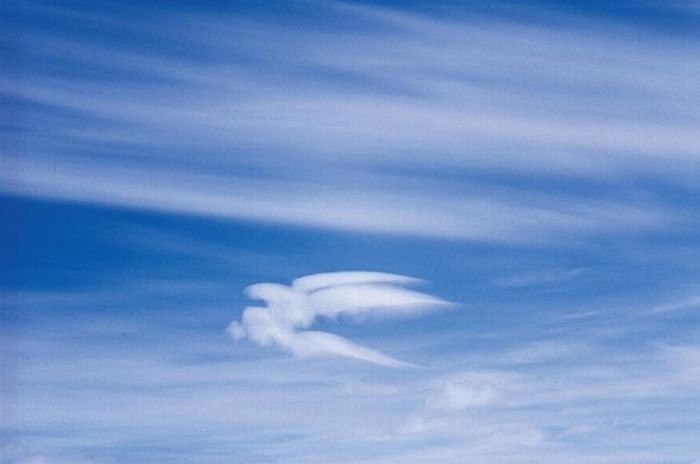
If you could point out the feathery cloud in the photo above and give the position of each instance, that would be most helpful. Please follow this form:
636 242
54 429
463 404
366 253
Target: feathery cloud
290 311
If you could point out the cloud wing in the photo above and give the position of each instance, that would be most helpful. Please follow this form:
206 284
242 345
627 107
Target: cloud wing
314 282
316 343
362 299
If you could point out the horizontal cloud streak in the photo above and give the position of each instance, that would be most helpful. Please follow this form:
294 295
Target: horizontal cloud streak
482 215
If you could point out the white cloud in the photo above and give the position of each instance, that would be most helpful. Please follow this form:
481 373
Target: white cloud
470 389
290 310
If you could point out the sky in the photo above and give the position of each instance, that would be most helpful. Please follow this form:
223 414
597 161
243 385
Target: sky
350 232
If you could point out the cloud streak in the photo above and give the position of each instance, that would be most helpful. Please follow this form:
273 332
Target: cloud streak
290 311
372 206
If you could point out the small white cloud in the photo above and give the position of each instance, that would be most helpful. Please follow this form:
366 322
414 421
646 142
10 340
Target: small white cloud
470 389
290 311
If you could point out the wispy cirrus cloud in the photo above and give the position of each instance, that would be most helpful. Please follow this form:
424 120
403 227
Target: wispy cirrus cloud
290 311
679 304
540 277
278 116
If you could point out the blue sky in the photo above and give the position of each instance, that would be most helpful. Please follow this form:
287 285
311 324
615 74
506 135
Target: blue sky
534 165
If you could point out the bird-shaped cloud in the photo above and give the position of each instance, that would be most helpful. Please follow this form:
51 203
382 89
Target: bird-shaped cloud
290 311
